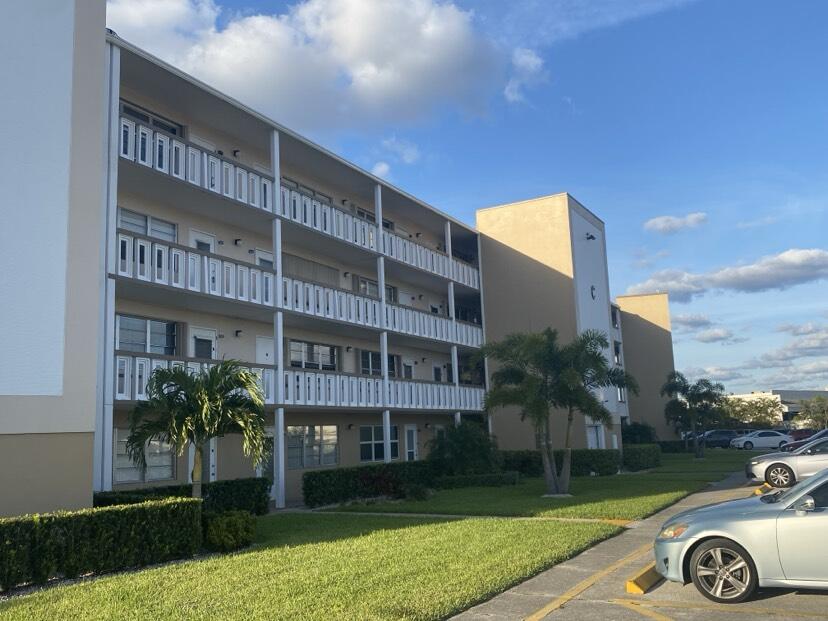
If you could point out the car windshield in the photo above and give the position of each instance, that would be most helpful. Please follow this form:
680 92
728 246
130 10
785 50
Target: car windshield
784 495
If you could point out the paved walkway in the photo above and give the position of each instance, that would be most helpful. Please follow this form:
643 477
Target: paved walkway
591 585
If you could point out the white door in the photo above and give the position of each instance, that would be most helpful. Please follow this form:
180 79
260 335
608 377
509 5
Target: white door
264 350
412 453
205 242
202 343
801 540
595 436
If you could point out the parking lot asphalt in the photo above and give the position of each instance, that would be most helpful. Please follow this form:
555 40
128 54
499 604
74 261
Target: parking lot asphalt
592 584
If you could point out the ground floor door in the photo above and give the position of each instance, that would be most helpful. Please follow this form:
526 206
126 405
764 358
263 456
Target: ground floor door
595 436
202 343
412 452
264 350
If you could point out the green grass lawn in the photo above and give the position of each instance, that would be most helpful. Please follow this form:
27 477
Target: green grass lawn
622 497
329 566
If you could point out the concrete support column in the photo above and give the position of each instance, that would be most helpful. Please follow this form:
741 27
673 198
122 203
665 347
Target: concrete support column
381 287
275 169
378 206
104 446
458 418
384 367
279 458
279 355
451 310
277 260
386 435
455 366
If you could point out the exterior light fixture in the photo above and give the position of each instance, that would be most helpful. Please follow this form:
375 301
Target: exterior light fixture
239 333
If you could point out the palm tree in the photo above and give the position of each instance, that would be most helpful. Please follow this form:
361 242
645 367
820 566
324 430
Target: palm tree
184 408
540 376
691 404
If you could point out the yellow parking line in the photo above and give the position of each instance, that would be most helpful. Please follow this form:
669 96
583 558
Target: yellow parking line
731 608
637 607
588 582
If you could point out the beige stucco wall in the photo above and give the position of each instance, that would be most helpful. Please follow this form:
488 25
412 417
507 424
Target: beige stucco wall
648 356
42 472
526 261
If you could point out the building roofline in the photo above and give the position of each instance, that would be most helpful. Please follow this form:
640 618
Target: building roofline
537 199
113 38
643 295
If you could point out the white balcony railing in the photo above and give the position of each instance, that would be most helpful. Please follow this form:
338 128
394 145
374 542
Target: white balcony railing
465 274
316 214
193 164
149 260
428 325
330 389
133 370
320 301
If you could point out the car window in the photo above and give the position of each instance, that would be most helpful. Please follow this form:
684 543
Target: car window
820 448
766 434
820 496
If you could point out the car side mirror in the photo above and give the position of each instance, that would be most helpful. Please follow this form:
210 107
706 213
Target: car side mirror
809 452
805 505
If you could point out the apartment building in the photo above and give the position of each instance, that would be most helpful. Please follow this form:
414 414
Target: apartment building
150 221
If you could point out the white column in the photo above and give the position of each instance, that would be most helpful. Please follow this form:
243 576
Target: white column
386 435
490 423
455 366
384 366
457 419
279 457
276 170
447 244
451 309
378 206
483 325
106 432
277 259
279 355
381 287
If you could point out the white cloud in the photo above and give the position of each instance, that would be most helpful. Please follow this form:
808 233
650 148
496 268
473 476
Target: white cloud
779 271
324 63
527 70
381 169
718 335
406 152
666 225
717 374
691 321
643 259
813 344
752 224
801 329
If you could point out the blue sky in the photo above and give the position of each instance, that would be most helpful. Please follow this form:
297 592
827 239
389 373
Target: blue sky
705 118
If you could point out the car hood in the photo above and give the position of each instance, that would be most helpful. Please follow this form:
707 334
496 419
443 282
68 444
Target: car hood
771 456
720 509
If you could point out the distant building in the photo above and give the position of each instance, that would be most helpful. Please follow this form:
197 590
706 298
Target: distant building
790 400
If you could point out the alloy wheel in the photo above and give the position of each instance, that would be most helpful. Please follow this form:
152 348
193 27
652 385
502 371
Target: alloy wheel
779 476
723 573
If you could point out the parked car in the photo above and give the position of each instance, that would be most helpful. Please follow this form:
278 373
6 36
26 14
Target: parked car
719 437
784 469
792 446
729 549
761 439
801 434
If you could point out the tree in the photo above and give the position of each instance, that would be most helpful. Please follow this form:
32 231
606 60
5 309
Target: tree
691 405
184 408
762 412
466 448
814 412
542 377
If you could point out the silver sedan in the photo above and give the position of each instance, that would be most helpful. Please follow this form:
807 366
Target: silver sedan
730 549
785 469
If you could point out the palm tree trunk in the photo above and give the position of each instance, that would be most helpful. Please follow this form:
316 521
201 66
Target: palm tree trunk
550 474
196 474
695 438
566 466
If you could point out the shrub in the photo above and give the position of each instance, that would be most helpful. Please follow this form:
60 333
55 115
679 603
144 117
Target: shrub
326 487
416 491
675 446
491 479
526 462
228 531
641 456
464 449
251 494
35 548
638 433
584 462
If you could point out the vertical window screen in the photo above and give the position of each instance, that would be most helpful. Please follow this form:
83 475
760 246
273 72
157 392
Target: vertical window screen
160 461
145 225
305 269
312 446
370 363
312 356
147 335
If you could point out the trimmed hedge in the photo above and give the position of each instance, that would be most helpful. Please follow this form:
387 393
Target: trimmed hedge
228 531
494 479
35 548
251 495
603 462
335 485
641 456
675 446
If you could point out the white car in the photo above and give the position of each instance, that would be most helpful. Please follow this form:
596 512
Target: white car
761 440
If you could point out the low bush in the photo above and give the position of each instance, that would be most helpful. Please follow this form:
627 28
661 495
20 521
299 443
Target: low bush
228 531
584 462
641 456
67 544
675 446
416 491
466 448
326 487
251 495
638 433
492 479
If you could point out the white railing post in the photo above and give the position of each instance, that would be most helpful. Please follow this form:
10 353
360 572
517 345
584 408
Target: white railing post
386 435
279 459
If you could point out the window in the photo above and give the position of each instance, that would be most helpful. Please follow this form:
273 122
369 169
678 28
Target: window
146 335
616 348
622 395
304 269
438 373
146 225
449 373
615 319
312 446
370 363
820 496
819 449
160 461
150 118
467 314
371 447
408 369
435 310
367 287
312 356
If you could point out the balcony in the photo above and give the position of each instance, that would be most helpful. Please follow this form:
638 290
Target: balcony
133 370
332 389
180 267
428 325
318 300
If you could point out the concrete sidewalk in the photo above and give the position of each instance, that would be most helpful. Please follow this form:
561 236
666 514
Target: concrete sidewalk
611 562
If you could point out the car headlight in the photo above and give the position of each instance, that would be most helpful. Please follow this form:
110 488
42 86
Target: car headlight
672 531
755 463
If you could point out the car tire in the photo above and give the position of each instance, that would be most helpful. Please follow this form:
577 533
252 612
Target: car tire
723 571
779 475
781 444
748 446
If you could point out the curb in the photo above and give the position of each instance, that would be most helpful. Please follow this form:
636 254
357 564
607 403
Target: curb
762 489
644 580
